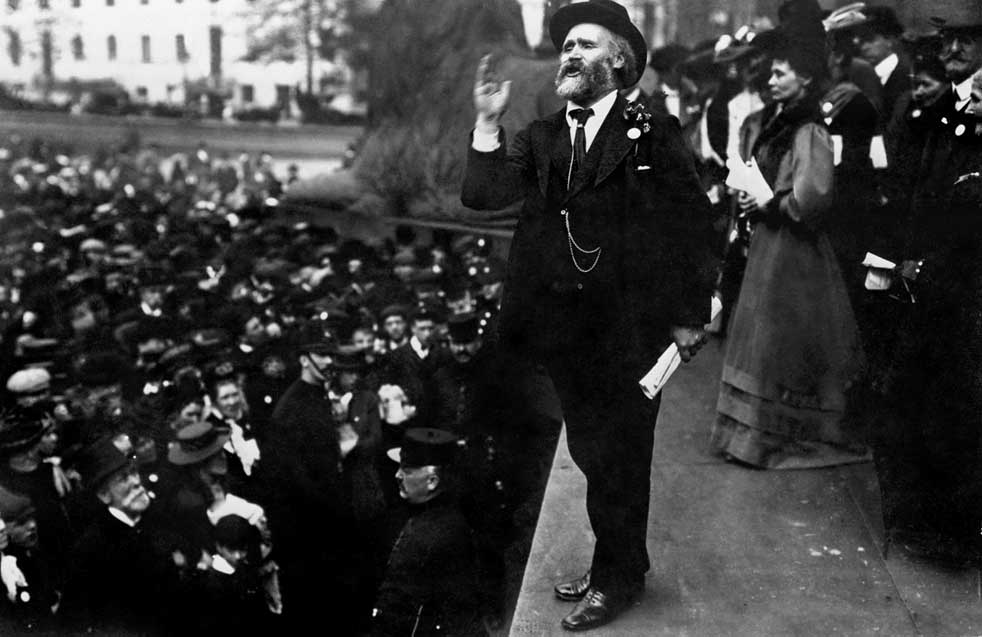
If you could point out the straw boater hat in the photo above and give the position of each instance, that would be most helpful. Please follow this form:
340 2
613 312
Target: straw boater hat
607 14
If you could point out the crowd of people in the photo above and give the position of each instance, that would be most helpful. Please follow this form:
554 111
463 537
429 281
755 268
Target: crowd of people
219 418
216 418
849 283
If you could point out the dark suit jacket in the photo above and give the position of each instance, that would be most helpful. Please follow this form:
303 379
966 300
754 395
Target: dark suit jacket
898 85
302 463
641 202
121 580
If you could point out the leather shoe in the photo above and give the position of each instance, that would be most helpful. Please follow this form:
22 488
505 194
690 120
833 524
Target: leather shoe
593 611
574 590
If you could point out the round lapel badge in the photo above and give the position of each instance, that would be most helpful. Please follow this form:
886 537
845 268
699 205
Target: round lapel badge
633 133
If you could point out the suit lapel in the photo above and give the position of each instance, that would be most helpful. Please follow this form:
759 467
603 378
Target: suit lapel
608 150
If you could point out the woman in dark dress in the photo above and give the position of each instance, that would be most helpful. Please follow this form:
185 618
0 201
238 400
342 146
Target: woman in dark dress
793 349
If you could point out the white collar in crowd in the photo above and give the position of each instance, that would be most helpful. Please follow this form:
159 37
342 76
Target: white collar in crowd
122 517
418 347
886 67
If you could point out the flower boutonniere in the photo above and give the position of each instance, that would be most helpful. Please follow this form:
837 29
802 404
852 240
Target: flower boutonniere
639 118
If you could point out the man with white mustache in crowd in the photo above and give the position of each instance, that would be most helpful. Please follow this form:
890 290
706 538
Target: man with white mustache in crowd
122 577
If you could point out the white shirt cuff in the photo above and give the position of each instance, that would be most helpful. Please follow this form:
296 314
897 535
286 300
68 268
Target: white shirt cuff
484 142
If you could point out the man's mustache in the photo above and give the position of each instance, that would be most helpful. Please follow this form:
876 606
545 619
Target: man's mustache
568 67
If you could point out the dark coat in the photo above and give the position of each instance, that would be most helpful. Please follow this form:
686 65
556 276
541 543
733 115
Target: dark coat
302 462
929 467
405 368
121 578
641 202
431 576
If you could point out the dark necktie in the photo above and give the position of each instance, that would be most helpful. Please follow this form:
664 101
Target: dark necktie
580 115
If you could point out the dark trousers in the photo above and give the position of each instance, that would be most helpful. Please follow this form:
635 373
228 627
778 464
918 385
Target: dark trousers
610 431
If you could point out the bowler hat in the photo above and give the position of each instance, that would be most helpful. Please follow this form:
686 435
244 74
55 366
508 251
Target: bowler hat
464 327
100 460
195 443
956 14
607 14
424 446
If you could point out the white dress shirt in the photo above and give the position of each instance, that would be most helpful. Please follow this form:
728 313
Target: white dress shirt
886 67
963 93
485 143
414 342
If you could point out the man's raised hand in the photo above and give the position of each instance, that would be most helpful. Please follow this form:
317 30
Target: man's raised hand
490 97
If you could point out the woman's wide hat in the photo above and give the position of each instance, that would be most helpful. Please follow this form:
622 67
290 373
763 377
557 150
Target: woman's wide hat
607 14
956 14
196 442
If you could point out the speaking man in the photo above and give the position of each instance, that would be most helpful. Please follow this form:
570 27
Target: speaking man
608 266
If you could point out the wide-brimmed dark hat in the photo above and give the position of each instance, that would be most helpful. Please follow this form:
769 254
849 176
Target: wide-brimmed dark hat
17 431
14 506
882 20
195 443
99 461
424 447
956 14
607 14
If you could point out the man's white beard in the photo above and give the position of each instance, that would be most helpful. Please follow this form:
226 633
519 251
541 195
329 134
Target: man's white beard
593 81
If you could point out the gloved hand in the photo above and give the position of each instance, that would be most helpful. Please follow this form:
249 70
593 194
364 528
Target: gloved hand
11 576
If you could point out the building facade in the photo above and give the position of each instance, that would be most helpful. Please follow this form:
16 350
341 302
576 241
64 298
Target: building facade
159 51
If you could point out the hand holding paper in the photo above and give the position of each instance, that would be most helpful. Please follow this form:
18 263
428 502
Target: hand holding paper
657 377
748 178
879 275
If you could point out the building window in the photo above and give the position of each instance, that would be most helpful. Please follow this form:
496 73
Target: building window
248 93
141 92
111 47
44 4
13 4
110 3
14 47
78 48
76 3
145 48
181 47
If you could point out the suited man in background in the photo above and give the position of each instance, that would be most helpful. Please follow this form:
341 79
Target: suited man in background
608 266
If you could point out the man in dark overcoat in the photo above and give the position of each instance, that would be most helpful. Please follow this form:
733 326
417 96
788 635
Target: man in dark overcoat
610 263
430 585
122 578
928 442
302 463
